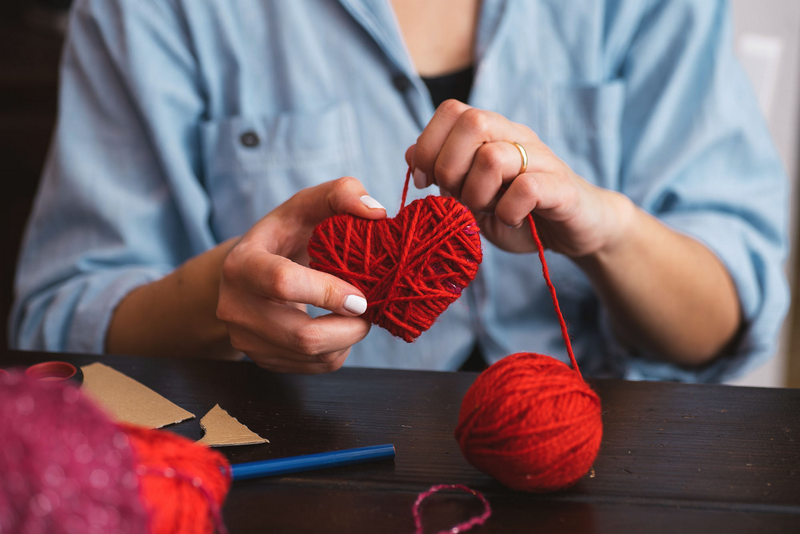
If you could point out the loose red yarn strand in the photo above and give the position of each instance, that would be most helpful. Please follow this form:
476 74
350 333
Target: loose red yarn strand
546 274
405 188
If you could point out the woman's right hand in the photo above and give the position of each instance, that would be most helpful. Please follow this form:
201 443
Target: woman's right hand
266 285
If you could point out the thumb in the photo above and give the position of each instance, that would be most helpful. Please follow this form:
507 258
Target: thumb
289 226
345 195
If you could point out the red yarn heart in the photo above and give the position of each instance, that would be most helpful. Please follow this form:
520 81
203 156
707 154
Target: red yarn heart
410 268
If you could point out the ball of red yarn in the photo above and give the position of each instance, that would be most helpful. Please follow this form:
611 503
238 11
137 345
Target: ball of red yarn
183 484
67 468
530 422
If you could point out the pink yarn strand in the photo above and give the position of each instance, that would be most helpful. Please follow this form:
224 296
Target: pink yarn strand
461 527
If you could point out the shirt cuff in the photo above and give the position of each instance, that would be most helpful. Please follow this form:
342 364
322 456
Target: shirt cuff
101 293
754 260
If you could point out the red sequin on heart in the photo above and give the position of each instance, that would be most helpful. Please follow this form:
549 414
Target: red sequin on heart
410 268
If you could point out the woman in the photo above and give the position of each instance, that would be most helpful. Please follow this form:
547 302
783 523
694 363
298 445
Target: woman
650 173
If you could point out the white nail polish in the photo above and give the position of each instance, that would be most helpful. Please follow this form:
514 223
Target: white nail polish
355 304
371 203
420 179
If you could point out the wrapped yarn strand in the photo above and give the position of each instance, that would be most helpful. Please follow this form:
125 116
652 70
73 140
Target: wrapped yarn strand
529 420
183 484
410 267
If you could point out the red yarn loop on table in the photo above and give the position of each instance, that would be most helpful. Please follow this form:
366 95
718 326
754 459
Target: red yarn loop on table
410 267
529 420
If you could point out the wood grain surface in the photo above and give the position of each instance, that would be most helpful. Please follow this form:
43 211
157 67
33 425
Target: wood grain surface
674 457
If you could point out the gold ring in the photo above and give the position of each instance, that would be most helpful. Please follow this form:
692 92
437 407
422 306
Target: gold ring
524 155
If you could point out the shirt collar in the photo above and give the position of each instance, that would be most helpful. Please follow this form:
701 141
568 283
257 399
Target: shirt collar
378 19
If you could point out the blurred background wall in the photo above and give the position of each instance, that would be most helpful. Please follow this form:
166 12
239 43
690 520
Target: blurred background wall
30 45
767 34
31 33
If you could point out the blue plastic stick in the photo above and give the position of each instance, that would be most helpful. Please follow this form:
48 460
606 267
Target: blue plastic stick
308 462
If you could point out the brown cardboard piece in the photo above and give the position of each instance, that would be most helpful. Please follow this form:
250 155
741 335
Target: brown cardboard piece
222 430
129 401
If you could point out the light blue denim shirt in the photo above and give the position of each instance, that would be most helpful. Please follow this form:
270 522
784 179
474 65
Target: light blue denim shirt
183 122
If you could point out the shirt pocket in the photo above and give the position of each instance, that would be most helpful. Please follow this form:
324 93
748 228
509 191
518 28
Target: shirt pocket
251 164
582 124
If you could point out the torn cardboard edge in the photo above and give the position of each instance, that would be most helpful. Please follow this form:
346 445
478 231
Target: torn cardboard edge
223 430
129 401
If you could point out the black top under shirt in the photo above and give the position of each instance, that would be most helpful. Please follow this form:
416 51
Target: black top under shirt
457 85
454 85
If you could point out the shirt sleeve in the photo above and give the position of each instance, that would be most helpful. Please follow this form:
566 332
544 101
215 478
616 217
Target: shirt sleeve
120 203
697 154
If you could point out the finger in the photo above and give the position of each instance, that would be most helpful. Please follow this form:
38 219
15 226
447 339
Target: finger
432 139
288 366
267 324
278 278
494 164
278 358
472 130
290 360
410 155
421 180
284 363
515 240
313 205
533 191
345 195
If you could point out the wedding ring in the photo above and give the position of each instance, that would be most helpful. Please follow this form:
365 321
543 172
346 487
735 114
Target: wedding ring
524 155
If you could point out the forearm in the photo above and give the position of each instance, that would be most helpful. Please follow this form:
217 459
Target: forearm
176 315
666 293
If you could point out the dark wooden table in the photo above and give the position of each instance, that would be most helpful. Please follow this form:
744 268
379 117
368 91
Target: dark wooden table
674 458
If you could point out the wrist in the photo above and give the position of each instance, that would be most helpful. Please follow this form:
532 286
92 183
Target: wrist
620 220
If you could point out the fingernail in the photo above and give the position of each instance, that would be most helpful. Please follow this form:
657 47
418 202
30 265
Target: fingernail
420 179
355 304
371 203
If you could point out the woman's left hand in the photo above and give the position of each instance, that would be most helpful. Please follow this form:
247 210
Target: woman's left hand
469 154
667 293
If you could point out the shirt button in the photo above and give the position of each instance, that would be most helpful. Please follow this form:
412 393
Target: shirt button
249 139
401 82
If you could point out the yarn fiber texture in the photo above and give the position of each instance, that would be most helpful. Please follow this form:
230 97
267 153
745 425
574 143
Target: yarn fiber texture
410 267
67 468
183 484
530 421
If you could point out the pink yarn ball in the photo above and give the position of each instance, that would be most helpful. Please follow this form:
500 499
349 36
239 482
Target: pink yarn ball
66 468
